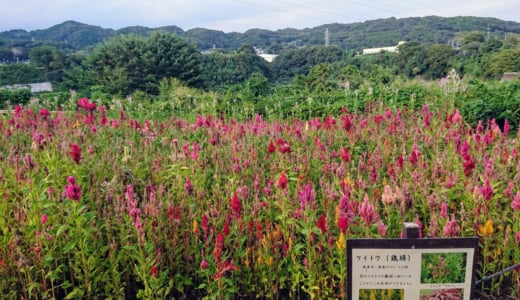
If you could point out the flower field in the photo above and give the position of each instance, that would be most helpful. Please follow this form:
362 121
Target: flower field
97 204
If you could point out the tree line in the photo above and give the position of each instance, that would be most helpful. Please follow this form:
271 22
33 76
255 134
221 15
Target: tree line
126 64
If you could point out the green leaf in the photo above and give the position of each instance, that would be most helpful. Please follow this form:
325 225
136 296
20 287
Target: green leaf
70 245
77 293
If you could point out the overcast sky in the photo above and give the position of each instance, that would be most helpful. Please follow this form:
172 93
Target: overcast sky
237 15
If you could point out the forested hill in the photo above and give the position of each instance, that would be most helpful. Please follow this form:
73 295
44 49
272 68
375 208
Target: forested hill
381 32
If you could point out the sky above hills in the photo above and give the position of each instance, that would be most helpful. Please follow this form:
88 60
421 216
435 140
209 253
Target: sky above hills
237 15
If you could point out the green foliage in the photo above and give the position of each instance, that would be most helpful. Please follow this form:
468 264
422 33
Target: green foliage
18 96
222 69
507 60
299 61
486 101
125 64
51 60
20 74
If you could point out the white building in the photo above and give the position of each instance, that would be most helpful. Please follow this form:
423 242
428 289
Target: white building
381 49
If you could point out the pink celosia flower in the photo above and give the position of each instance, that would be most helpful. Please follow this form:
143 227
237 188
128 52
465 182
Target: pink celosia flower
388 196
204 265
444 210
451 228
515 204
367 212
72 191
44 219
307 195
487 190
506 127
381 228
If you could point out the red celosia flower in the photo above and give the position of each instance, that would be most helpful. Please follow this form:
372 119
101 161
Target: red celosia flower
153 271
282 181
236 205
271 147
343 224
44 113
345 155
322 225
75 153
219 245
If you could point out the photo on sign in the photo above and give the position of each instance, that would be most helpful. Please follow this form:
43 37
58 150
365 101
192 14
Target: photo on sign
382 294
451 294
443 267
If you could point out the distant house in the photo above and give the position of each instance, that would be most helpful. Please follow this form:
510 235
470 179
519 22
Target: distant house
381 49
38 87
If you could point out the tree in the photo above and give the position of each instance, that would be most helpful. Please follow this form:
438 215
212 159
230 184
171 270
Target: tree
128 63
438 60
20 74
471 43
411 59
52 60
6 55
352 75
299 61
224 69
507 60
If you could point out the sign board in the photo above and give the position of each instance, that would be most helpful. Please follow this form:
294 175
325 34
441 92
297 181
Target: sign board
411 269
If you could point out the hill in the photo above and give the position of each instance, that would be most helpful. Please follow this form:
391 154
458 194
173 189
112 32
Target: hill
373 33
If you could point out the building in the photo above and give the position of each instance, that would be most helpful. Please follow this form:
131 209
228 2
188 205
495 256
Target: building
392 49
34 87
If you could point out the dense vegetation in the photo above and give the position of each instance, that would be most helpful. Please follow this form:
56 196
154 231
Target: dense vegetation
220 175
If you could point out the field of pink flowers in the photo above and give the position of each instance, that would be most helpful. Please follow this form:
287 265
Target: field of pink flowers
94 207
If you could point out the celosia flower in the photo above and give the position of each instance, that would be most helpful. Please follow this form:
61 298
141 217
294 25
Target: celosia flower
381 228
515 204
506 127
444 210
153 271
236 205
343 224
388 196
282 181
487 229
451 228
341 243
367 212
75 153
322 225
72 191
487 190
271 147
44 219
204 265
188 187
44 113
